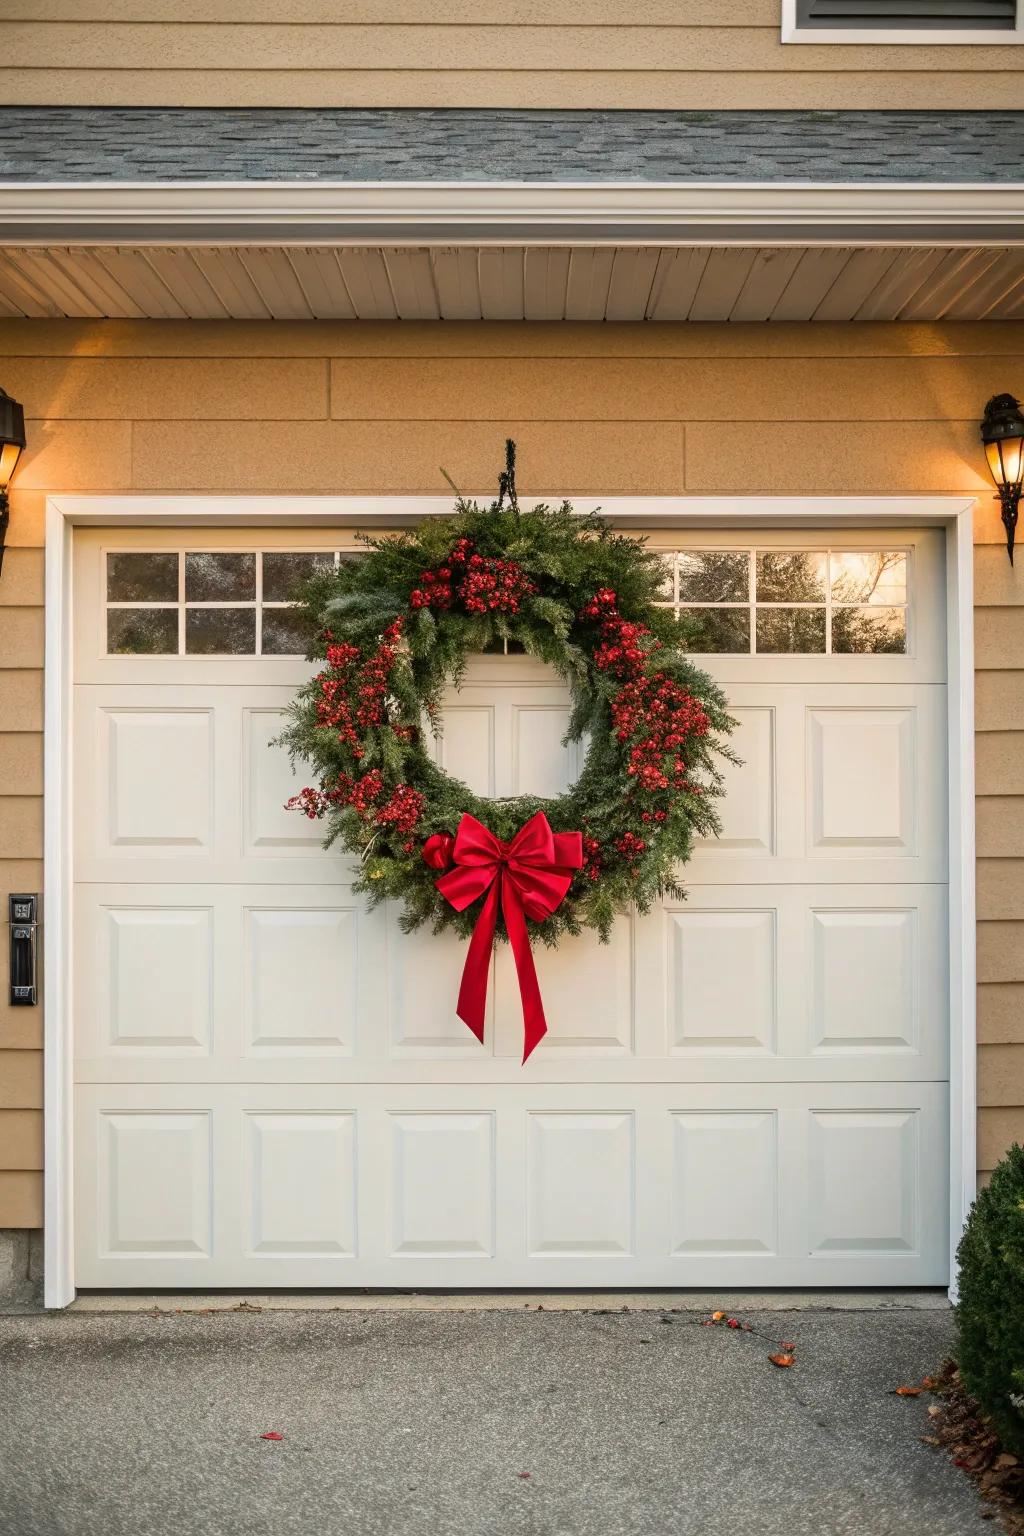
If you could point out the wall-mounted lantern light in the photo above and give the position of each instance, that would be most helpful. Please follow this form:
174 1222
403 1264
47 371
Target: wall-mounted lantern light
1002 432
12 441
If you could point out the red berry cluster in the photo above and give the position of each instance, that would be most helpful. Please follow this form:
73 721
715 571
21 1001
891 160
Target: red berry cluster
434 590
311 802
658 716
591 857
401 813
652 711
494 586
372 685
630 847
361 794
354 697
620 651
479 583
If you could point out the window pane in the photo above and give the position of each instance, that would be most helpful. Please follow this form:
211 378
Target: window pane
667 590
717 629
284 634
282 573
213 578
220 631
790 576
142 631
784 630
142 578
869 576
714 576
869 629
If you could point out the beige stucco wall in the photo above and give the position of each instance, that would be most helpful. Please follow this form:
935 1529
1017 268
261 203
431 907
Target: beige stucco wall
117 406
486 53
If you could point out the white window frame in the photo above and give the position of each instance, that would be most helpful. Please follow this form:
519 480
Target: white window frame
920 37
63 513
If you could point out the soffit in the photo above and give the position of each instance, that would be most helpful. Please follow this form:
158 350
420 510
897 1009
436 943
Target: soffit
739 283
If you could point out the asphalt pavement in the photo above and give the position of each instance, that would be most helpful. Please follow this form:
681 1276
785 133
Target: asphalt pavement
433 1423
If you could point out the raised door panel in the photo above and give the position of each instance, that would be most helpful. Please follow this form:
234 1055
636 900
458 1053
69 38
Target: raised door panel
299 1184
587 990
301 979
860 772
157 766
722 980
582 1185
156 982
154 1184
725 1182
747 809
442 1185
269 780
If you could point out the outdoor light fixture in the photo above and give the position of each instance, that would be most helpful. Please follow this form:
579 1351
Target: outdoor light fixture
12 441
1002 432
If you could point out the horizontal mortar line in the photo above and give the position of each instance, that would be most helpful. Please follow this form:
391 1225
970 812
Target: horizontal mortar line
422 26
517 417
540 356
785 72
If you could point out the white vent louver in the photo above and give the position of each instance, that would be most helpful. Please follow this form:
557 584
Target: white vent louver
945 15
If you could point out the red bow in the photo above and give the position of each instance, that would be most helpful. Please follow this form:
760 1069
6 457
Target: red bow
529 876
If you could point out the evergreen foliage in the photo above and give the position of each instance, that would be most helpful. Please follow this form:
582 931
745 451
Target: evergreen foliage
394 629
990 1311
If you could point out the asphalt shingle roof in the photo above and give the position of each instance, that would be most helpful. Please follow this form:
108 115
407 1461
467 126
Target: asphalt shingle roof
435 144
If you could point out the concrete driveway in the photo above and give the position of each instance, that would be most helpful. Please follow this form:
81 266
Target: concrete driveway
426 1422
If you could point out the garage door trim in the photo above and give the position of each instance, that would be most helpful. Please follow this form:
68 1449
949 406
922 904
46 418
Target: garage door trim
954 514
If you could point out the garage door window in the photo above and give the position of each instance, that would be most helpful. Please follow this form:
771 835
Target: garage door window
207 602
792 602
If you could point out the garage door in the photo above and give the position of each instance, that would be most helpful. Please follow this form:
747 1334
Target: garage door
745 1088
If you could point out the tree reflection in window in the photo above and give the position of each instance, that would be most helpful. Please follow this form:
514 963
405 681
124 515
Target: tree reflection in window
790 601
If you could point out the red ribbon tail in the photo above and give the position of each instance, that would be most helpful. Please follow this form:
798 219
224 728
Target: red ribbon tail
473 991
535 1025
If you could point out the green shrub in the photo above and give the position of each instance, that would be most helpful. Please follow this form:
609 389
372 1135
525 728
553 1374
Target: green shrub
990 1312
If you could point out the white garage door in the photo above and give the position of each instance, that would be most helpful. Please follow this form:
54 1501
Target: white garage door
748 1088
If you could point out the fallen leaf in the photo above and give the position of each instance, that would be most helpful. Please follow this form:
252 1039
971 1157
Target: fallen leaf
271 1434
930 1440
786 1344
782 1360
716 1317
935 1411
1004 1459
929 1383
525 1474
907 1391
732 1322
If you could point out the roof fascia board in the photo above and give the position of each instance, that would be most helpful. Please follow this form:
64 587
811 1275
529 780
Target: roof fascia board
493 212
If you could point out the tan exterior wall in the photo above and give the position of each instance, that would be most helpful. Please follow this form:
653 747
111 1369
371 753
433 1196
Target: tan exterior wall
162 406
484 53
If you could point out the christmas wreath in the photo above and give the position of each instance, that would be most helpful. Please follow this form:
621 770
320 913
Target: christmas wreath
393 631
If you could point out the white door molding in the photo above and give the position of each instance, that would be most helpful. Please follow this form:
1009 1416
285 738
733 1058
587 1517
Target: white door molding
954 514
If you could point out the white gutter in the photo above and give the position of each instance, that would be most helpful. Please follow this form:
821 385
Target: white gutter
495 212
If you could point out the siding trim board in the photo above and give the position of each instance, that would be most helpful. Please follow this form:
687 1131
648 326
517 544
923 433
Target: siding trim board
63 512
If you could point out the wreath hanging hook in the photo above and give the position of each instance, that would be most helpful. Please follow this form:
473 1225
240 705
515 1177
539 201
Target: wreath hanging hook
507 479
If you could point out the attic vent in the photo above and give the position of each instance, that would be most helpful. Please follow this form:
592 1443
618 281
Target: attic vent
909 15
